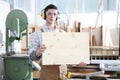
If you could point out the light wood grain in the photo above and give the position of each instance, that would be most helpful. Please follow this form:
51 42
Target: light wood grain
66 48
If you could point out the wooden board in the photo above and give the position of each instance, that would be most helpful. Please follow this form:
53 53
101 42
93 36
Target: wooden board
66 48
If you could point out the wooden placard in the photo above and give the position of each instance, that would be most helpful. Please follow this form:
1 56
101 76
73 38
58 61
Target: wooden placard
66 48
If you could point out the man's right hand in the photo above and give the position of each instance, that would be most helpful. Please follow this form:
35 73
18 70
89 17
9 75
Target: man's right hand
40 50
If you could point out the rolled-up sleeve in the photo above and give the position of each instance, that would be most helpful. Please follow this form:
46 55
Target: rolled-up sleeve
36 40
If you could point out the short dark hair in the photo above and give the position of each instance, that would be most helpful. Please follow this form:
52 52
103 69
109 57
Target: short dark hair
50 6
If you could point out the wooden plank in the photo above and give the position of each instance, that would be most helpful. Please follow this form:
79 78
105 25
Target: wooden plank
66 48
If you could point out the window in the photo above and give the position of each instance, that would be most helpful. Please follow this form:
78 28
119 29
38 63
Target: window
90 5
110 5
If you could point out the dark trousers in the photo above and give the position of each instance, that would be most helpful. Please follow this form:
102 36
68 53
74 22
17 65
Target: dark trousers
50 72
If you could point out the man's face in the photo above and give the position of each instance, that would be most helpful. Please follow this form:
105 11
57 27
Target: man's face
51 15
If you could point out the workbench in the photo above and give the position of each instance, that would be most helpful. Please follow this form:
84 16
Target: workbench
79 73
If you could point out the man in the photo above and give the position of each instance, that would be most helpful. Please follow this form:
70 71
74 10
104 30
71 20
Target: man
50 14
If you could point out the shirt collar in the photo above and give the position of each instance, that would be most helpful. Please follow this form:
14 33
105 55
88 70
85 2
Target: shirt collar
47 29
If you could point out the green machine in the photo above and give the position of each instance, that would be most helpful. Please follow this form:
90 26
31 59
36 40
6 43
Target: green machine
16 66
16 23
